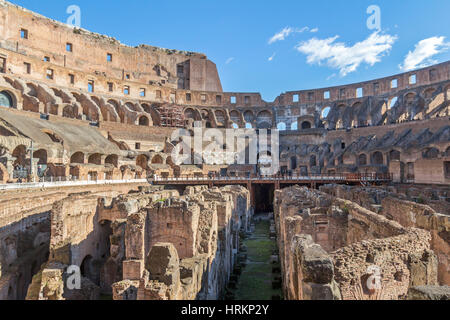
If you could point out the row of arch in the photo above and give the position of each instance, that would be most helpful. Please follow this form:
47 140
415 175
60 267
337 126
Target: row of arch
95 108
376 158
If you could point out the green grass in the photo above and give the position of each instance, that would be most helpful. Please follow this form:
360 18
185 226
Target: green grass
255 282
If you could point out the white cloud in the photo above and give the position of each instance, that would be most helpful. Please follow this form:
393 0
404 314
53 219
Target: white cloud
280 36
347 59
314 30
286 32
331 76
423 52
229 60
272 57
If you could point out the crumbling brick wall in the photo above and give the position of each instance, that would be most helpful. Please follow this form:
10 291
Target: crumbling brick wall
369 242
191 240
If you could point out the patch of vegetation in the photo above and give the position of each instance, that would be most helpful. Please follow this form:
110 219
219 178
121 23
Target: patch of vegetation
255 283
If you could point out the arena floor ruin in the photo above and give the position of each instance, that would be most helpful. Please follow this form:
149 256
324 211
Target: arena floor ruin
359 208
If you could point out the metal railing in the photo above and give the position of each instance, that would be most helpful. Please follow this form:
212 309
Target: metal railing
353 177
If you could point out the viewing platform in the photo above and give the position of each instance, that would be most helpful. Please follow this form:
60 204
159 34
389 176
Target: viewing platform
278 180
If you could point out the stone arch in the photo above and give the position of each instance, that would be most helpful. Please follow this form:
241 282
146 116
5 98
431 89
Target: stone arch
190 113
142 161
221 117
429 93
157 159
281 126
264 116
41 154
362 159
306 125
95 158
430 153
294 126
7 99
70 111
205 115
394 155
86 268
235 116
409 98
377 158
77 157
20 153
249 116
144 121
112 159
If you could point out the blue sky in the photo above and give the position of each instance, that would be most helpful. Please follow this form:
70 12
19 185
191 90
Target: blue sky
324 43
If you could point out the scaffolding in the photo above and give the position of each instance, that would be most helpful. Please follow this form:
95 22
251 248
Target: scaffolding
171 115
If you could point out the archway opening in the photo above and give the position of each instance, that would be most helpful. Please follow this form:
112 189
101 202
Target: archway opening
430 153
264 193
77 157
306 125
6 100
20 153
362 160
112 159
142 161
143 121
95 159
157 159
377 158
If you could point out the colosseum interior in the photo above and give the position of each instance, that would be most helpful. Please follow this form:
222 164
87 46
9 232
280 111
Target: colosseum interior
88 182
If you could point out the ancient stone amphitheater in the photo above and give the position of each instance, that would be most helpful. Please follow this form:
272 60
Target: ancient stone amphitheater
359 208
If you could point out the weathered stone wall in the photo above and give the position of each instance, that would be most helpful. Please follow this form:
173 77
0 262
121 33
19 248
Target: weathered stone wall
330 247
399 207
25 233
184 248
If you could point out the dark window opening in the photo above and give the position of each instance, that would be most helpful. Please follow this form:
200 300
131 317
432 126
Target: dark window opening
27 67
306 125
